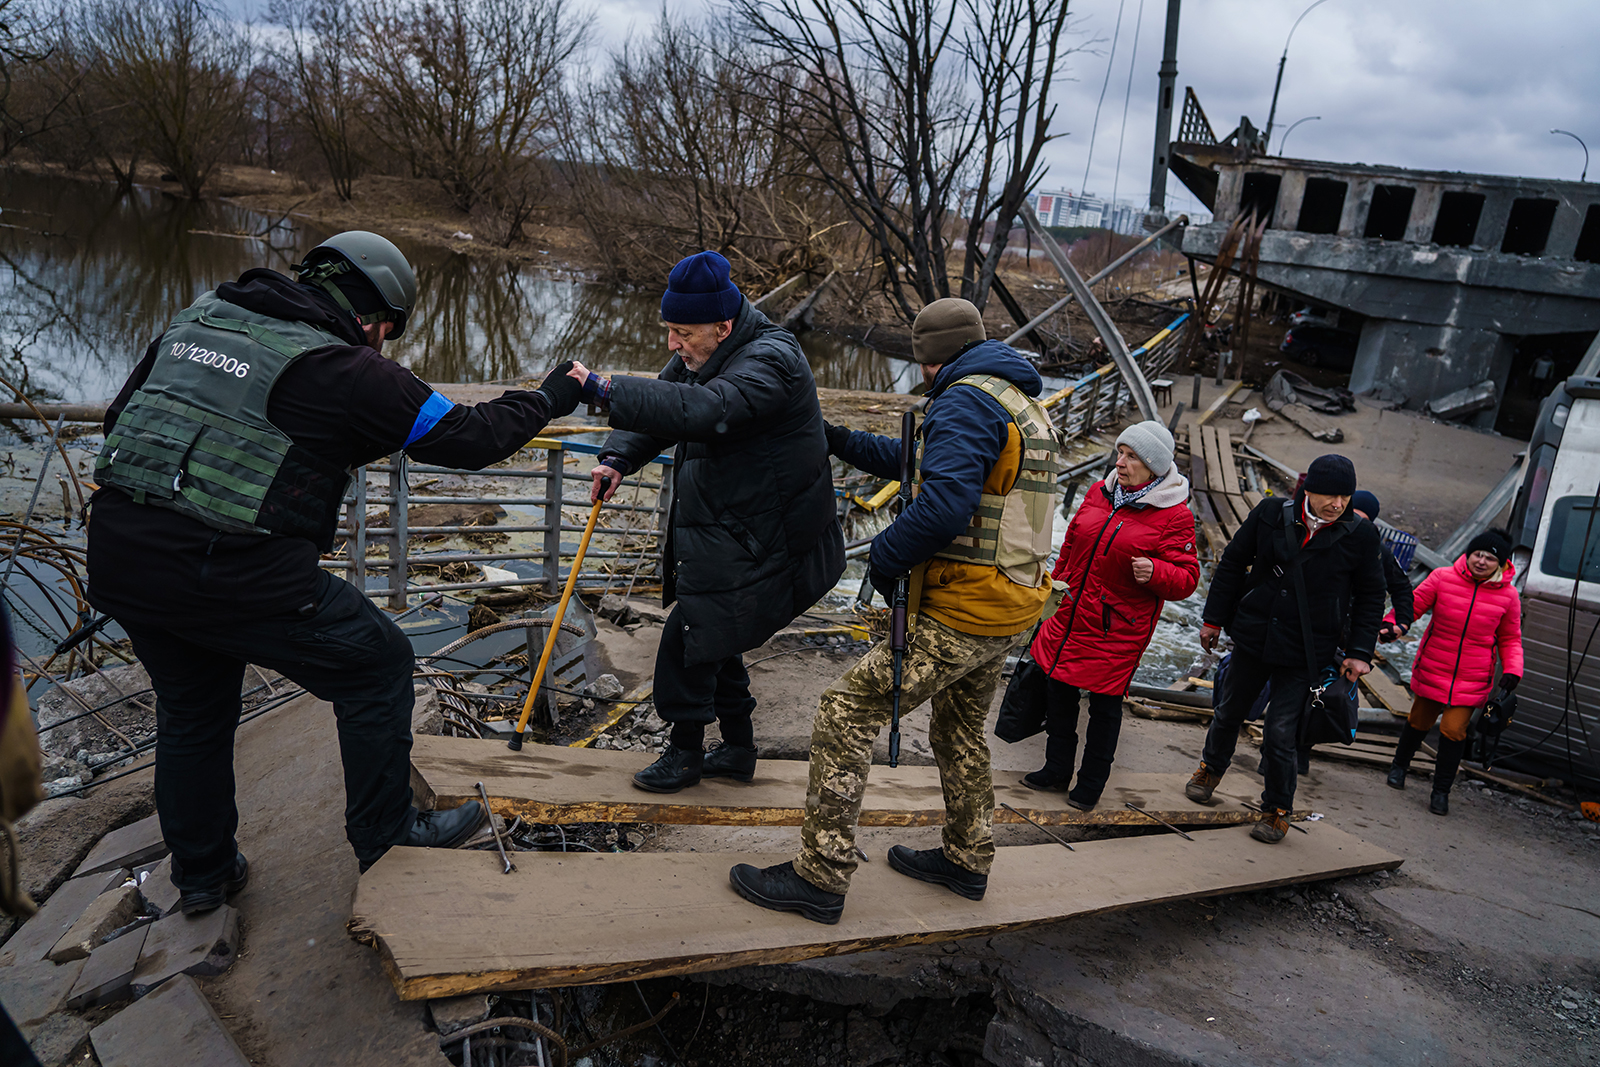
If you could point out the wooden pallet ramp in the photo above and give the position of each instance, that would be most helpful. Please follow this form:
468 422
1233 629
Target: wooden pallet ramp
449 922
556 784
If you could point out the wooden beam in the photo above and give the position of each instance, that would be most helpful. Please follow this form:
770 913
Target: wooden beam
448 922
1387 693
1218 404
557 784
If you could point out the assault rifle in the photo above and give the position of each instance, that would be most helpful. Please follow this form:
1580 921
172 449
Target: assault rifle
902 584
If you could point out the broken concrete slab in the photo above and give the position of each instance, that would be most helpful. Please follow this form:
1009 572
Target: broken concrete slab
187 944
57 835
450 1014
132 846
121 693
111 910
175 1024
60 1040
107 975
160 895
32 991
40 933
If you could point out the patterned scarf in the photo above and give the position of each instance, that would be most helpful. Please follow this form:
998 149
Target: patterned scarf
1121 496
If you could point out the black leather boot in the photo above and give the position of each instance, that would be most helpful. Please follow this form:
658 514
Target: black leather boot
1445 765
780 888
199 901
930 865
439 829
678 768
1404 750
1045 778
729 761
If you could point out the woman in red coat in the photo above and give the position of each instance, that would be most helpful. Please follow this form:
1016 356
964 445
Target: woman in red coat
1128 550
1476 614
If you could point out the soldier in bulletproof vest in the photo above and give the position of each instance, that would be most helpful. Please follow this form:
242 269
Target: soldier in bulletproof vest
227 455
974 541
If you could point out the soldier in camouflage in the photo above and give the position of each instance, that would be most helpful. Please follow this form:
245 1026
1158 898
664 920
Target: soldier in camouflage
974 540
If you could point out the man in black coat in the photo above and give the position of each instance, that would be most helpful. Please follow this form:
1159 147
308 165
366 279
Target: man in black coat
1255 597
753 539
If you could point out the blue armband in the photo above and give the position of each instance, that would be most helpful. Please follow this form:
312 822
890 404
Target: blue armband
433 409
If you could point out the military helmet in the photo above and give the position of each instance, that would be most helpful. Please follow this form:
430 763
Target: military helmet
377 260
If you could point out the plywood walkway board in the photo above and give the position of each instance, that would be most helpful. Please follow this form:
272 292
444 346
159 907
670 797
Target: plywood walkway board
449 922
556 784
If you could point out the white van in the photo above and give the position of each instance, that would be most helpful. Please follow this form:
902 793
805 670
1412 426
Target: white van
1555 525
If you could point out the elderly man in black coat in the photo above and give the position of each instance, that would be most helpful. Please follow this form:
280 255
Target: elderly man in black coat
1256 597
753 539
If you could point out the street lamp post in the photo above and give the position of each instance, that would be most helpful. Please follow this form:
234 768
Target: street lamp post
1281 61
1285 139
1585 175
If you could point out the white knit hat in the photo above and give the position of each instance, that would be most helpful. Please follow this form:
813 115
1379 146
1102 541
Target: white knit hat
1152 443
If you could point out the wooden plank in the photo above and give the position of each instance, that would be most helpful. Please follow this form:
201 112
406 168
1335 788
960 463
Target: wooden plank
1230 472
556 784
1227 503
1315 424
1388 694
448 922
1219 403
1353 754
1212 522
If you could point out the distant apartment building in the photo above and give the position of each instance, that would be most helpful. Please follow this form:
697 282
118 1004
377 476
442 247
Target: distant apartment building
1081 209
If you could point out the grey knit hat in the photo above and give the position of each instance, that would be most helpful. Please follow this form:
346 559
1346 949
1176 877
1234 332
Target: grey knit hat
944 328
1152 443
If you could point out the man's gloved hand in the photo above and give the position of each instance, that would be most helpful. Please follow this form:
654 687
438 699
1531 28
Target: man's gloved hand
838 438
1509 682
883 582
560 391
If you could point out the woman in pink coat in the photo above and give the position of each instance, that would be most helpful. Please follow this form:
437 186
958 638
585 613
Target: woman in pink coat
1129 549
1476 614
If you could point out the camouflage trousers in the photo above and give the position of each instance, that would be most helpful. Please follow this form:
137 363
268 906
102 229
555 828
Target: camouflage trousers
959 673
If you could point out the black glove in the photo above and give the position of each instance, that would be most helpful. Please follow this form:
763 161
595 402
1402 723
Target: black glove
1508 682
838 438
560 390
883 582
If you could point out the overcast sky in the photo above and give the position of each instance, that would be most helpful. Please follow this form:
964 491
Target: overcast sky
1471 85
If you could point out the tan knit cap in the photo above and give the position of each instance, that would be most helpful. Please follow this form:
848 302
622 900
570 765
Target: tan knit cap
944 328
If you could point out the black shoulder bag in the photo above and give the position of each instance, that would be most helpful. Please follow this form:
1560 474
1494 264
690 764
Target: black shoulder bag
1022 709
1329 713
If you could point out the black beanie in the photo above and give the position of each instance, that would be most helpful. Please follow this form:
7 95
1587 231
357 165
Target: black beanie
1331 475
1495 542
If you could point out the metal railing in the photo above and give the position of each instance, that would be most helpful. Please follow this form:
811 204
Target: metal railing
637 548
1099 397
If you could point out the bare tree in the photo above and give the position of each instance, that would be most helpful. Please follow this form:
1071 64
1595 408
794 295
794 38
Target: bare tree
181 70
315 65
34 102
679 155
467 90
1013 48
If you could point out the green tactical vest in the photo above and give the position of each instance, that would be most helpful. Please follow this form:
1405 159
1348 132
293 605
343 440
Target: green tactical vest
196 439
1013 531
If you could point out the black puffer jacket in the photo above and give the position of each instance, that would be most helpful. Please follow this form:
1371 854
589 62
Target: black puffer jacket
753 539
1253 594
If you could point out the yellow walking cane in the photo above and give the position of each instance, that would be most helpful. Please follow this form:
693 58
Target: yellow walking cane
515 744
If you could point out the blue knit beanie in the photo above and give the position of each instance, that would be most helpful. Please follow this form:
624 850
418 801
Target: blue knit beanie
698 291
1365 503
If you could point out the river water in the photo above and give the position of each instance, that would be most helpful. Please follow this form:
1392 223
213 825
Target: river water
88 279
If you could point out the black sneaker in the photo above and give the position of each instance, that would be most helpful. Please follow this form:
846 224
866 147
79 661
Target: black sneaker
439 829
678 768
780 888
200 901
730 761
930 865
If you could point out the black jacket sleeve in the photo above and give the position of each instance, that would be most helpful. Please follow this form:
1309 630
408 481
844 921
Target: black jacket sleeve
476 436
739 403
1399 588
1367 587
1228 581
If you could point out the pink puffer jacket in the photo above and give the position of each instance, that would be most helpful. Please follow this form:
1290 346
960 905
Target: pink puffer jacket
1471 620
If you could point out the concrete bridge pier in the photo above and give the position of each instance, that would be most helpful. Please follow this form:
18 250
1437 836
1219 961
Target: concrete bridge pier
1423 360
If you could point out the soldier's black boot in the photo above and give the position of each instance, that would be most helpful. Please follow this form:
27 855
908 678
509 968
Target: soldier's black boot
729 761
931 865
781 888
439 829
1445 765
678 768
1405 750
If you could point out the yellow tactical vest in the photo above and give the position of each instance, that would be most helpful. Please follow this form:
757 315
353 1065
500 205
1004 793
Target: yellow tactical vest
1013 531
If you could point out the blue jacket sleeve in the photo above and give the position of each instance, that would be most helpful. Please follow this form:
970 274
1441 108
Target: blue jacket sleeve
965 432
874 453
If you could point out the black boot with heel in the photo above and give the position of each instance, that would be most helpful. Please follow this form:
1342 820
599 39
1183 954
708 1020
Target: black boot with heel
1444 774
1404 750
